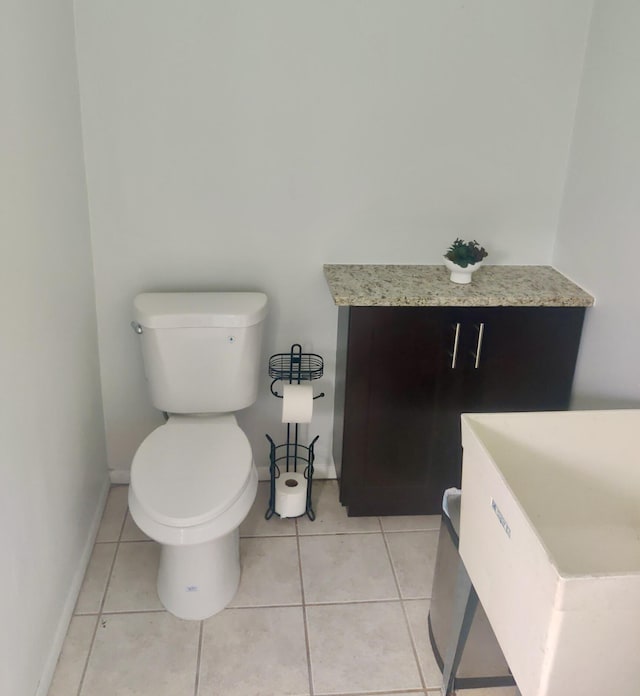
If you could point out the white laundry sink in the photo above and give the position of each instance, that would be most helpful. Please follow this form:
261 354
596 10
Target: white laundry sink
550 537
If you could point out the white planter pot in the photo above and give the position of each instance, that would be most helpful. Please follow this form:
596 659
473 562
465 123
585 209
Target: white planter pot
459 274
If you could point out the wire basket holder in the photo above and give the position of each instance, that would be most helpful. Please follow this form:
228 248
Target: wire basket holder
293 367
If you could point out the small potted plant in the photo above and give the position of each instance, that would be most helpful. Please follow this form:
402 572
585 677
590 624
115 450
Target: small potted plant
463 258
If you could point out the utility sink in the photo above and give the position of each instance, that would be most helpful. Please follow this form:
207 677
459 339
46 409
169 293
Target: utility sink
550 537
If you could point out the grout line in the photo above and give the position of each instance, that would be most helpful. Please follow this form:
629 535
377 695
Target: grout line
399 692
86 659
244 607
120 612
423 681
322 534
263 606
337 603
304 615
198 660
342 533
408 531
268 536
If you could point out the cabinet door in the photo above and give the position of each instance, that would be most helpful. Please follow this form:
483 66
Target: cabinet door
522 358
395 397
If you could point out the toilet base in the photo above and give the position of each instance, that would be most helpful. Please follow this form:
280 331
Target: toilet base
197 581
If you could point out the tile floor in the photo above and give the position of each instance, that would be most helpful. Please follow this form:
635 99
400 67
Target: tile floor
337 606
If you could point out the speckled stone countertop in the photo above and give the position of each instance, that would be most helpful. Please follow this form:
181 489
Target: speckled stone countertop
429 286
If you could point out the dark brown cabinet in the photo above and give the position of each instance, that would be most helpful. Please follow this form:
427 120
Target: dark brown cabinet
405 374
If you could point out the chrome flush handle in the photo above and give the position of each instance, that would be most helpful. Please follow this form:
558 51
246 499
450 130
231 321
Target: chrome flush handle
136 327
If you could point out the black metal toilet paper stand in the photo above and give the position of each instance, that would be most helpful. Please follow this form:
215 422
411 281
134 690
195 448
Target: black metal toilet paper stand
294 367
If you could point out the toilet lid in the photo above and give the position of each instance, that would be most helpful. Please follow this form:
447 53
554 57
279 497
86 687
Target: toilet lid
188 473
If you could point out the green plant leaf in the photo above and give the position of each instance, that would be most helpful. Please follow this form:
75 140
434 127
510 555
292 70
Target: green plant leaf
465 253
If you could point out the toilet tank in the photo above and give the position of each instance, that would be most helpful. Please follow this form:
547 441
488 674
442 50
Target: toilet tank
201 350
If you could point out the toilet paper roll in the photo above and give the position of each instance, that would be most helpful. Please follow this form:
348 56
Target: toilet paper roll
291 494
297 403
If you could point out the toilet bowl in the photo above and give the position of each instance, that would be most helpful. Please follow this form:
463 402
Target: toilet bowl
193 481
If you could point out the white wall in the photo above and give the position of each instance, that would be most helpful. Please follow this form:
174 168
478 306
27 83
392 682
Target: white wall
598 240
244 144
53 474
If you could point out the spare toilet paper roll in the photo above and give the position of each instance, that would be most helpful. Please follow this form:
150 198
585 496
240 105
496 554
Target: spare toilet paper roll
297 403
291 494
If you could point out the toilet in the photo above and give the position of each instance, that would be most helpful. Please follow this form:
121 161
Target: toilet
193 479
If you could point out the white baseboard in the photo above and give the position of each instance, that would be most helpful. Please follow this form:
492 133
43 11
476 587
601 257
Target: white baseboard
120 476
72 596
321 471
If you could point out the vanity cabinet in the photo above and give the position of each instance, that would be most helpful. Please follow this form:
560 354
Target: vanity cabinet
404 374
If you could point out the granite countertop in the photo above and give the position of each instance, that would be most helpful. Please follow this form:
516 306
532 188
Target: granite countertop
429 286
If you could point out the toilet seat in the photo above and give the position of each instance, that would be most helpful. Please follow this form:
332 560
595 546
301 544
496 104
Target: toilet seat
191 470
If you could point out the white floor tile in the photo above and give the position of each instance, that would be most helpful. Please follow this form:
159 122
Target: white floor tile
146 654
95 579
417 613
270 572
346 567
413 555
257 652
133 581
73 657
410 523
114 513
331 516
359 637
131 532
360 647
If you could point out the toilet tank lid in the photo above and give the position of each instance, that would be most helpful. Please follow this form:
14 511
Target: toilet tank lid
173 310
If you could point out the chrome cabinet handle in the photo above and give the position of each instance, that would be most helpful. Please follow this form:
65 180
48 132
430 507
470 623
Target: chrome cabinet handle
454 352
476 355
